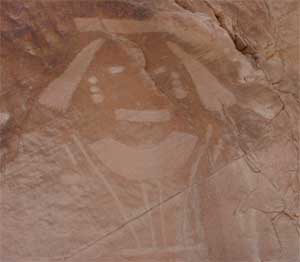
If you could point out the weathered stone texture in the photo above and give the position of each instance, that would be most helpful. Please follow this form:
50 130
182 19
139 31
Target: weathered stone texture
138 130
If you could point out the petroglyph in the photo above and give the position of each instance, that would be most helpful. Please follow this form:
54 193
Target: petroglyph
93 80
142 115
116 69
201 150
161 23
147 163
88 24
212 94
4 117
162 217
159 70
261 100
96 171
97 98
126 26
59 92
147 205
179 92
179 138
96 92
94 89
267 111
178 89
202 33
190 28
70 154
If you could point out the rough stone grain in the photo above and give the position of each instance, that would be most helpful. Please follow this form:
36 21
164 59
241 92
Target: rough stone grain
149 131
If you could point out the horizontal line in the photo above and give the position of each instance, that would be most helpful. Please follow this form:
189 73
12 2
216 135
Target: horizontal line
143 115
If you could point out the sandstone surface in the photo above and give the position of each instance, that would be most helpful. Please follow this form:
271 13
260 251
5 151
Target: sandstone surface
149 131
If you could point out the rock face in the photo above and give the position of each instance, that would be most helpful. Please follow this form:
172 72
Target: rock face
162 130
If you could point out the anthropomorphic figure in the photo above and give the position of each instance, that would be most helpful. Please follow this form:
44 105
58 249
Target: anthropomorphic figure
134 165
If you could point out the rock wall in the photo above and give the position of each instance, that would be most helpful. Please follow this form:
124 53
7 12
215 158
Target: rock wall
162 130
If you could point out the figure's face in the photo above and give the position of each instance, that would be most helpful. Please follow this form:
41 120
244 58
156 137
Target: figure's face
117 91
131 125
115 174
131 104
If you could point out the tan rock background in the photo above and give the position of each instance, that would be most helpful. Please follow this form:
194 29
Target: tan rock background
149 130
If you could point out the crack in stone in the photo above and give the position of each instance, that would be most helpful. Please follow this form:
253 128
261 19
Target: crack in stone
146 212
182 5
136 218
240 44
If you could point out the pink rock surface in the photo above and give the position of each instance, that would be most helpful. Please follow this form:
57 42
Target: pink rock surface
149 131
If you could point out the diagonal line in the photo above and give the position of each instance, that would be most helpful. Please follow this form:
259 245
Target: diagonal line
124 225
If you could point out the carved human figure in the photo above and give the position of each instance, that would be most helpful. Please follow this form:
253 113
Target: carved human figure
130 158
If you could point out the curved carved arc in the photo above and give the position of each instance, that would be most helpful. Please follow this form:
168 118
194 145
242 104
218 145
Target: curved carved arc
146 163
59 92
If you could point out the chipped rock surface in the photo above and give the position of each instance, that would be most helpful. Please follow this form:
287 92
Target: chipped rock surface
149 131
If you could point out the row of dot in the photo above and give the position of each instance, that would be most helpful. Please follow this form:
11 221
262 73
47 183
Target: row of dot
178 90
96 93
177 86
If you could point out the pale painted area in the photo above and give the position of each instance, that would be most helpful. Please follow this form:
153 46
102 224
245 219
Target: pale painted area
126 26
70 154
148 207
184 25
4 117
116 69
218 149
246 72
159 70
88 24
142 115
212 94
93 80
30 49
168 250
59 92
202 149
162 216
267 111
94 89
107 184
179 92
163 159
178 89
97 98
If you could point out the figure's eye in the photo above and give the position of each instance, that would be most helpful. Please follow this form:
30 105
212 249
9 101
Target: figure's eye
116 69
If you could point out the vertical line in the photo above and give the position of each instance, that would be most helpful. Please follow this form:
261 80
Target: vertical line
108 186
162 219
146 201
70 154
185 218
